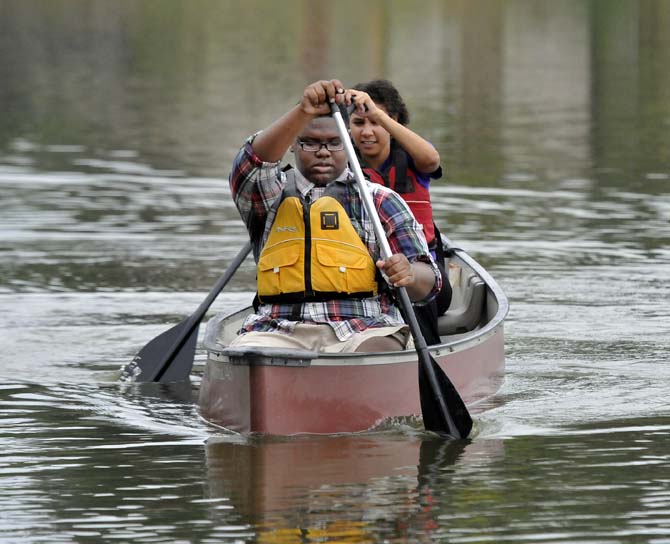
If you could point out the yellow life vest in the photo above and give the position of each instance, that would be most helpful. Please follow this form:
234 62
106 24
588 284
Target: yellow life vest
313 253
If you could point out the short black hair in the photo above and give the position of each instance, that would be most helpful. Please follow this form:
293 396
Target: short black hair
383 93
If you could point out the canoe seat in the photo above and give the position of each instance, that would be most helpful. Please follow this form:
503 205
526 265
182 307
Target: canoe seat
466 309
259 355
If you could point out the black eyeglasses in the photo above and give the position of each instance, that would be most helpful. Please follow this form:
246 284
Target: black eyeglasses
314 147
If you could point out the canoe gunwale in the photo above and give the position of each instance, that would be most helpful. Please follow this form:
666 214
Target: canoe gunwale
491 285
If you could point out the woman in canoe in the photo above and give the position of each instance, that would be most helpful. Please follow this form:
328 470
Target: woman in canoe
393 155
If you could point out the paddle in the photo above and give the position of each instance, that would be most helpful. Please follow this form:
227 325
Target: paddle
169 356
443 410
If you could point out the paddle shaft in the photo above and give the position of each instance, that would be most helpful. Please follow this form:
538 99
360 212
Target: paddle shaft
194 320
405 302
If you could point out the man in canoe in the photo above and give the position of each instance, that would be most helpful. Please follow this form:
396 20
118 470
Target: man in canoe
319 268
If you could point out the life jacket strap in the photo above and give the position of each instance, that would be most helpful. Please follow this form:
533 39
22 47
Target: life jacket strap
300 298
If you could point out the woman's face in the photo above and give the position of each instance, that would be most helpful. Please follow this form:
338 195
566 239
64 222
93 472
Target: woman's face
371 139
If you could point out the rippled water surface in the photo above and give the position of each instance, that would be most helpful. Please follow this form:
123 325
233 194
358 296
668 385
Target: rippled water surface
119 124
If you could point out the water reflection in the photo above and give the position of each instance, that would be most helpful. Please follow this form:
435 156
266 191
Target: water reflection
344 488
517 88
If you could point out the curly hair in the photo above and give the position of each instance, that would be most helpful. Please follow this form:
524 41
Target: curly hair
384 94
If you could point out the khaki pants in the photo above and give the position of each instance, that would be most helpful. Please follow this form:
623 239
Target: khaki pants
321 337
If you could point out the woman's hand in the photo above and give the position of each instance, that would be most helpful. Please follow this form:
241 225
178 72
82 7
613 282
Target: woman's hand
363 105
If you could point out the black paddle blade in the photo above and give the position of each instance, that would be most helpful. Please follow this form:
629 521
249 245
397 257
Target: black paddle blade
456 422
167 358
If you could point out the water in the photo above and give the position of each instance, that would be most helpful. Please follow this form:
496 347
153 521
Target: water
118 128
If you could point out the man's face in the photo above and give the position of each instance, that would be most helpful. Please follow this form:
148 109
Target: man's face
321 166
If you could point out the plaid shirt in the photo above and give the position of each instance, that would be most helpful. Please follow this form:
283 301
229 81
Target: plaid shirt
256 185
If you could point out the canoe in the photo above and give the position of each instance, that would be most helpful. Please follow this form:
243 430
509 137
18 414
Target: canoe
284 392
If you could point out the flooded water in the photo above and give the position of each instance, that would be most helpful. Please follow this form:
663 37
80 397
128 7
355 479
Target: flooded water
119 123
